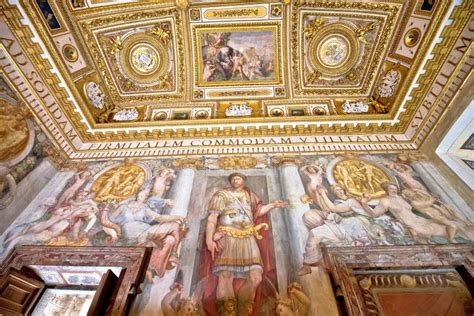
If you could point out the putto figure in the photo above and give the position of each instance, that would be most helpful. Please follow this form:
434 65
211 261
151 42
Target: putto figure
238 250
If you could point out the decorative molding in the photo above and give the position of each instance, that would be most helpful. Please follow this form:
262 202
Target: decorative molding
342 262
81 138
193 163
133 261
287 160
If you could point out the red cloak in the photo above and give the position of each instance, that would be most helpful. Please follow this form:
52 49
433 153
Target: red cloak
269 270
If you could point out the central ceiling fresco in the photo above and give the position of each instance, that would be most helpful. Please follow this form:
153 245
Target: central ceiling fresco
184 78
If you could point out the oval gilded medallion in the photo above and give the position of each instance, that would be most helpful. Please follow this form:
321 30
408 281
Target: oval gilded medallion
360 177
144 58
118 183
333 51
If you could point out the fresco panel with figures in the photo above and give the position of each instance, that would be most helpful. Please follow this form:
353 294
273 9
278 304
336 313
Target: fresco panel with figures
242 236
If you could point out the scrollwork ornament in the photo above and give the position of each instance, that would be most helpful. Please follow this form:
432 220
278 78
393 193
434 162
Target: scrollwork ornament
115 45
411 156
389 83
287 160
362 31
313 27
193 163
237 162
162 32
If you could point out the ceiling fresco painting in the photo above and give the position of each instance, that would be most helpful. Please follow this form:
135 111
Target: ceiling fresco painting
110 80
268 216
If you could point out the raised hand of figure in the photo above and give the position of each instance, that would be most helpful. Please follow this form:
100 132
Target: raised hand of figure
181 220
293 287
366 197
177 287
169 203
279 204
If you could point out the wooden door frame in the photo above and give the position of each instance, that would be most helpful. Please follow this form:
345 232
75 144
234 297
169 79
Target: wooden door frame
132 260
341 263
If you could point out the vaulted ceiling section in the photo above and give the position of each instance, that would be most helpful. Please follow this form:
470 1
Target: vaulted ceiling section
110 80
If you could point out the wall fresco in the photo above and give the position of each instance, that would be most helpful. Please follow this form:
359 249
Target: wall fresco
239 241
21 143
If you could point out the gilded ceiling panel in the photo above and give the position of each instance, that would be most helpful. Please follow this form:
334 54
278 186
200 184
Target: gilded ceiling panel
137 62
140 75
238 47
338 49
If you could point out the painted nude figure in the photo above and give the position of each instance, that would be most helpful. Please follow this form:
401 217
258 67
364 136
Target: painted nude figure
65 222
420 227
337 222
405 173
162 182
297 303
426 204
238 65
79 180
314 175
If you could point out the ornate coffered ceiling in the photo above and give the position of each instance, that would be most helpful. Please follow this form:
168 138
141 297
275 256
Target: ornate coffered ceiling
156 78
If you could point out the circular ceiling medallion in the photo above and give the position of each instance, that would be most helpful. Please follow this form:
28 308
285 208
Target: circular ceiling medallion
160 116
70 53
201 114
143 59
412 37
276 112
334 50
